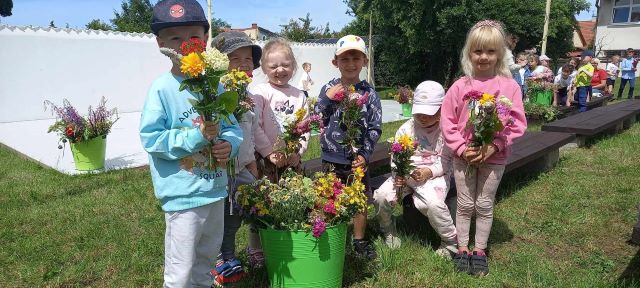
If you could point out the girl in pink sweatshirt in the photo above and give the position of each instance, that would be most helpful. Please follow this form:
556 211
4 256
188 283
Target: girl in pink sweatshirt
483 65
276 102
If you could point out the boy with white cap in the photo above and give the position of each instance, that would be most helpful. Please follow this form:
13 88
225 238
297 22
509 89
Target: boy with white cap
350 57
429 181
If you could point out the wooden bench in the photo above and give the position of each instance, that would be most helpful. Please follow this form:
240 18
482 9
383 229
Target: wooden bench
610 118
594 103
534 151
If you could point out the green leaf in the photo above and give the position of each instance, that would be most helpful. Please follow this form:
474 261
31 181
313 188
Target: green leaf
228 100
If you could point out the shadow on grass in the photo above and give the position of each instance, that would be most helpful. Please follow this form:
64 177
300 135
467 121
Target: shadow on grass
631 276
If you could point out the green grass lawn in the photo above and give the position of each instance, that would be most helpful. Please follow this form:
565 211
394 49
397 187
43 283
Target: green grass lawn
563 228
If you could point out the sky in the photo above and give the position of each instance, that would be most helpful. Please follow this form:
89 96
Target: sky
269 14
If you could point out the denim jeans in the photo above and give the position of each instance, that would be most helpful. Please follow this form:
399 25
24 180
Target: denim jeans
581 94
623 82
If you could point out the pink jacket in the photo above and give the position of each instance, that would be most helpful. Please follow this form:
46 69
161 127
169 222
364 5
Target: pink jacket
455 115
273 105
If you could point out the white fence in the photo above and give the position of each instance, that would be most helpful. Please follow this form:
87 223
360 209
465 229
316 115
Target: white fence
38 64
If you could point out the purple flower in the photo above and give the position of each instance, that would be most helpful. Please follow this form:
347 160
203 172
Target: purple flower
396 147
319 227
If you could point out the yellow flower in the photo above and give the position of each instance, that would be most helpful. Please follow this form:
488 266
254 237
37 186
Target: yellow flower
300 114
406 142
359 173
486 97
192 65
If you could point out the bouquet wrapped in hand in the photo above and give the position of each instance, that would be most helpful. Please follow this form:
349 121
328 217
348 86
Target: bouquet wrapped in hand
488 115
351 103
203 69
401 150
295 127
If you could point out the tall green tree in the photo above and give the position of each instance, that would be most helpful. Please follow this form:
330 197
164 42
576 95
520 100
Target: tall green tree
97 24
52 25
431 33
135 16
5 8
301 29
216 25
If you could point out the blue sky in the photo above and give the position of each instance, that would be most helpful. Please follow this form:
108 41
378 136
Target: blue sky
239 13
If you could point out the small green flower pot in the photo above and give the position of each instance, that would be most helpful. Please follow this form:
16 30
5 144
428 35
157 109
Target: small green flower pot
406 110
297 259
544 97
89 155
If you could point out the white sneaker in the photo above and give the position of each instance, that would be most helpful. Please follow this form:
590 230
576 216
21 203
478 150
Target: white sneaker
446 251
392 240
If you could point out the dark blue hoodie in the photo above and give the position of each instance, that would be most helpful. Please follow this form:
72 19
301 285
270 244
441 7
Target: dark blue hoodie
370 124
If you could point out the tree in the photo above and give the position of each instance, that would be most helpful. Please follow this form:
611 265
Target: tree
97 24
216 25
301 30
5 8
431 33
135 16
52 25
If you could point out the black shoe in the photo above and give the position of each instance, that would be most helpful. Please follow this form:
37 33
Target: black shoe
478 264
364 249
461 260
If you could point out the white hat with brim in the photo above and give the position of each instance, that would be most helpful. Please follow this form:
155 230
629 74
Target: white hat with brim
427 98
350 42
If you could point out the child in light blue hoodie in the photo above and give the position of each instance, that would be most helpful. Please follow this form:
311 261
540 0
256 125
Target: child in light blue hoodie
174 135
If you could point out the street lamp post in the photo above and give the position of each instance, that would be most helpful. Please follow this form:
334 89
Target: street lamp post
546 27
209 19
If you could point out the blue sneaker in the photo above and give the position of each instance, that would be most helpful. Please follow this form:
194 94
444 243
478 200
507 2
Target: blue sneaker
461 260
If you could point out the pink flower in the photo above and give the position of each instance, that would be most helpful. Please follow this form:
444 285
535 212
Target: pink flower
337 188
339 96
396 147
363 99
319 227
473 94
330 208
303 127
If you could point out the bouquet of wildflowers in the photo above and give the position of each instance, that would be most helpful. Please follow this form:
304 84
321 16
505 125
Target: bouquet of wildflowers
404 95
203 70
488 115
401 151
300 203
238 81
295 126
74 128
351 103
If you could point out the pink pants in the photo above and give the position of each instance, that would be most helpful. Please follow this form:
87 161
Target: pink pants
476 193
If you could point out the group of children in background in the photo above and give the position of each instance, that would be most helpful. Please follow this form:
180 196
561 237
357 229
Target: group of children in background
580 79
201 223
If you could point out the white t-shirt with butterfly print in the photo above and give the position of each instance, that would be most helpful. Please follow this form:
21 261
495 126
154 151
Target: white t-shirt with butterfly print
282 102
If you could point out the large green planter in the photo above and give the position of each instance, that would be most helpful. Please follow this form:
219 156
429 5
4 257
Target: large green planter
406 109
89 155
544 97
297 259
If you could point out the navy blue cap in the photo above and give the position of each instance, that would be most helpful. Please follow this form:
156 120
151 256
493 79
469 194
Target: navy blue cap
586 53
172 13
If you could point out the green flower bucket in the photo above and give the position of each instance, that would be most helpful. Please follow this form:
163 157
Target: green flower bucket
297 259
406 110
89 155
544 97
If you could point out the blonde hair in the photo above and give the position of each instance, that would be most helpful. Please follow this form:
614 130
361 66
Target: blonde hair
485 36
278 44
